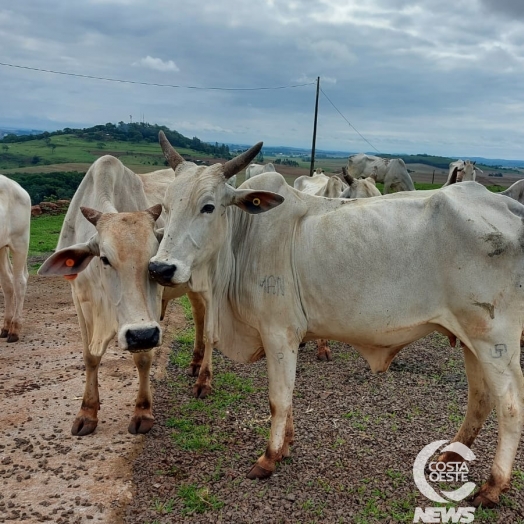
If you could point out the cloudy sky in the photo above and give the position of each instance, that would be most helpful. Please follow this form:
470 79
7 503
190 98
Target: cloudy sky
441 77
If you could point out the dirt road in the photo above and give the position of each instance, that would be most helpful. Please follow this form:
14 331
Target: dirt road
45 472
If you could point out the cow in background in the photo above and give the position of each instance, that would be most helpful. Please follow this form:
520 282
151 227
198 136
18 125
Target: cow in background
15 219
333 187
462 171
256 169
391 172
515 191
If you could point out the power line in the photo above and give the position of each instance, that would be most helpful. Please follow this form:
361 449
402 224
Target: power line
349 123
120 81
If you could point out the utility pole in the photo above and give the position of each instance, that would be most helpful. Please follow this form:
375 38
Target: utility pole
314 131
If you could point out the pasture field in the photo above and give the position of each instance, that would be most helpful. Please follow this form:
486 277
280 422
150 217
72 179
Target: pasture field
70 149
45 230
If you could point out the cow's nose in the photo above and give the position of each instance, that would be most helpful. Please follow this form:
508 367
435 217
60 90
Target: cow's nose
143 338
161 271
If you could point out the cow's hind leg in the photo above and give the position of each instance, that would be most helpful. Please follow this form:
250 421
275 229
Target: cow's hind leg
142 420
500 362
7 283
281 365
480 405
289 434
323 351
20 276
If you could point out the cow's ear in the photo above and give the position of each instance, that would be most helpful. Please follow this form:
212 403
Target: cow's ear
91 214
155 211
255 202
70 261
159 233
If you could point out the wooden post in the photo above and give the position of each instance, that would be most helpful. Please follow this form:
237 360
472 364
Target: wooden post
433 177
314 131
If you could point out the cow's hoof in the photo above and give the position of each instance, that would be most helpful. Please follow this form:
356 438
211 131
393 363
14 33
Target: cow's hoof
4 333
12 338
140 425
201 390
325 356
481 499
83 426
194 370
258 472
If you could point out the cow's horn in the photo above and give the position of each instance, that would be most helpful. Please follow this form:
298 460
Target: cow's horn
171 155
347 177
232 167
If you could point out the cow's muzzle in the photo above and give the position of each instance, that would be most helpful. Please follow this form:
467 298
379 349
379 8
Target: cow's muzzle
142 339
162 272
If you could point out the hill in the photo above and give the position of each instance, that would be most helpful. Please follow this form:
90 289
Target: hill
50 165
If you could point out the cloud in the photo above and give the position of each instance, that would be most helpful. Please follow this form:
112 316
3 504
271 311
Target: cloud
438 76
157 64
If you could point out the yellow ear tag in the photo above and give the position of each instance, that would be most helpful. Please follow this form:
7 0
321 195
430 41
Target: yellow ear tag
69 262
256 201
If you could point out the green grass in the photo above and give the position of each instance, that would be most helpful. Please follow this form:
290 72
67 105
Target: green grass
189 433
71 149
45 230
198 500
163 507
182 356
190 436
186 306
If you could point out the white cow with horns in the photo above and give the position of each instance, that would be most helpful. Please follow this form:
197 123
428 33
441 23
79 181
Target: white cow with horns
15 220
391 172
462 171
320 184
257 169
107 239
265 291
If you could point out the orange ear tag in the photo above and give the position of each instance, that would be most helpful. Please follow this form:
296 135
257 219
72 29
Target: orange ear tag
69 262
256 201
70 277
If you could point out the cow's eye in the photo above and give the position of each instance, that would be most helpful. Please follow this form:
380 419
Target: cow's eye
208 208
105 261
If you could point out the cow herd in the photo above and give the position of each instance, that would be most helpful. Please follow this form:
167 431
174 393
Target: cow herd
267 267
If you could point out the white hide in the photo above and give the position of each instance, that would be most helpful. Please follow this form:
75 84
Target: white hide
392 172
256 169
266 291
15 220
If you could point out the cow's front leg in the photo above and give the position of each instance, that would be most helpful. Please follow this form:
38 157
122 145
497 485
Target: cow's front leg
281 367
87 418
143 420
198 308
202 387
